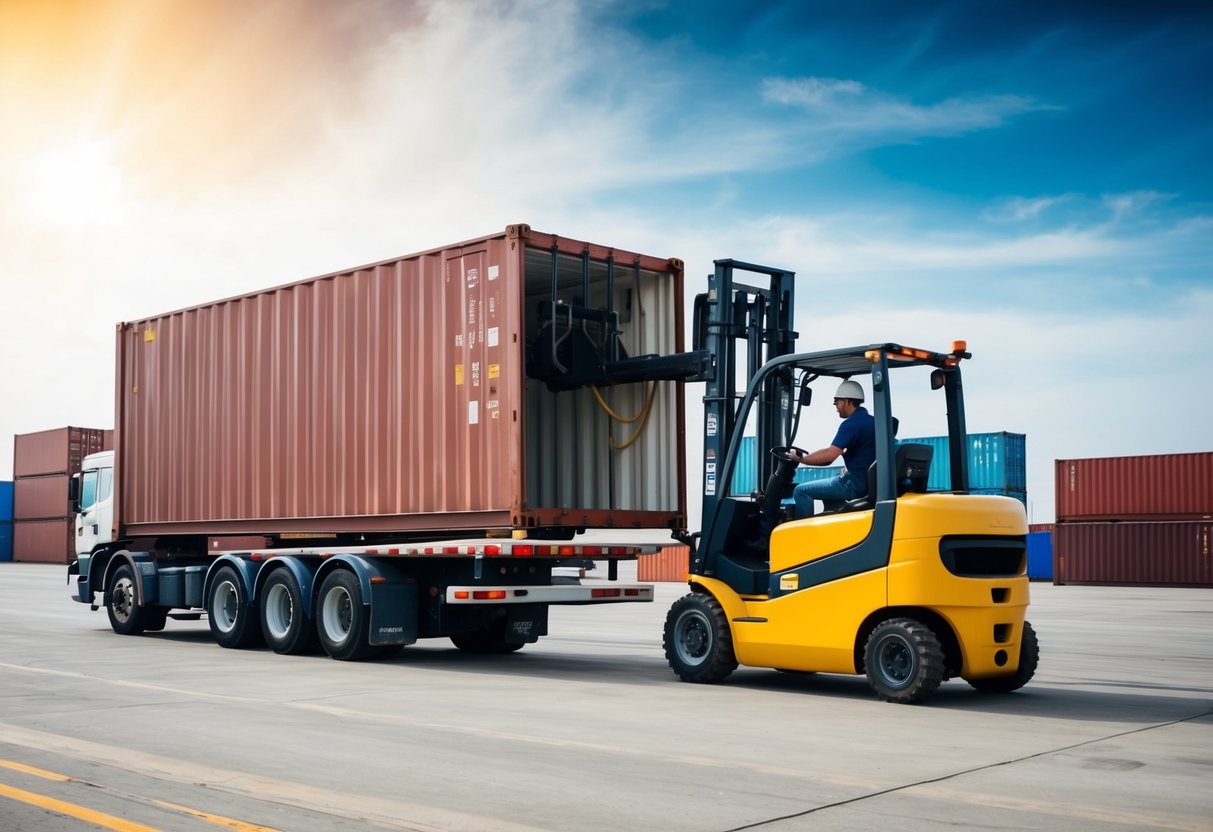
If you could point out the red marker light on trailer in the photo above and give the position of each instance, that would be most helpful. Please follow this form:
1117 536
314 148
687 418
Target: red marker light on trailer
524 551
492 549
378 579
604 593
487 595
462 595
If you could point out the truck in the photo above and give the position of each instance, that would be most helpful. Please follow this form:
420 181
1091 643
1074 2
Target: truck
419 447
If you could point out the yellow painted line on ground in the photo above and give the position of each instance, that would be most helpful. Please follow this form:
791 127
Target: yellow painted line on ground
73 811
37 772
217 820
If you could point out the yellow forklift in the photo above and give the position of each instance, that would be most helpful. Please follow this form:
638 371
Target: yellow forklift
908 587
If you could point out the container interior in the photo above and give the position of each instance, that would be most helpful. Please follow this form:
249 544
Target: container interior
579 455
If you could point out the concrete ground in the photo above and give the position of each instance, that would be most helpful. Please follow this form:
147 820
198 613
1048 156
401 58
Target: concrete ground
590 730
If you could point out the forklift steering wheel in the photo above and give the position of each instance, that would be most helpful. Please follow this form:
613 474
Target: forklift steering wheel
781 452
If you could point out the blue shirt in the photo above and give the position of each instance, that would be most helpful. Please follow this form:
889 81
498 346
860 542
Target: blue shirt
857 437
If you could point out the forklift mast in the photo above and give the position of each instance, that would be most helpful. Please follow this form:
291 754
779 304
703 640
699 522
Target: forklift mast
729 312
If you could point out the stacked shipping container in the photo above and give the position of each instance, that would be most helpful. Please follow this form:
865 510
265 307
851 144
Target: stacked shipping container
6 521
43 465
1135 520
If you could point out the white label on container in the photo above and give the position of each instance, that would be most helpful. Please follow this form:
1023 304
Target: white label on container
493 270
493 336
709 485
473 412
712 427
473 278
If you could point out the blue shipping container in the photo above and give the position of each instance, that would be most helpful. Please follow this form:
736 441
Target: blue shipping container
6 540
997 465
6 502
1040 556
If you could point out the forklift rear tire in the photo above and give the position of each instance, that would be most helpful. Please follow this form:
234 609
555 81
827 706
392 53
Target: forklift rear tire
698 642
1029 657
904 661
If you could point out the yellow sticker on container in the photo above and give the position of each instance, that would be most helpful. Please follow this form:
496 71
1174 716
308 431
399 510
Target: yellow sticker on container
494 371
149 335
458 374
787 583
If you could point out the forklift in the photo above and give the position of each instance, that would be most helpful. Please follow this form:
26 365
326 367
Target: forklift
905 586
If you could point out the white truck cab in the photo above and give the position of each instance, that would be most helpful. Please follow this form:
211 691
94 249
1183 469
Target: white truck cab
92 495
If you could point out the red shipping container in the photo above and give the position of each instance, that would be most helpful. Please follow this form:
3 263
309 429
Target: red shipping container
58 451
669 564
1150 553
1162 487
41 498
402 397
44 541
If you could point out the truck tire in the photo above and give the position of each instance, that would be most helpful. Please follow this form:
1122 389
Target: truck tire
1029 657
127 618
232 616
904 661
489 641
698 642
287 630
341 618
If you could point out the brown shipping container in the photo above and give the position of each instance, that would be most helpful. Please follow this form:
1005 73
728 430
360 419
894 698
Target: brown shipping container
395 397
41 498
44 541
58 451
1153 553
669 564
1163 487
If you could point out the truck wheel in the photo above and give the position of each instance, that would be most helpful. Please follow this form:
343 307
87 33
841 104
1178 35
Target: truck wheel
126 616
341 621
904 661
1029 657
698 642
287 630
490 640
233 618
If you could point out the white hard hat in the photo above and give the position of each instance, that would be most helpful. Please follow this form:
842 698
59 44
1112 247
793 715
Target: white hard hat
849 390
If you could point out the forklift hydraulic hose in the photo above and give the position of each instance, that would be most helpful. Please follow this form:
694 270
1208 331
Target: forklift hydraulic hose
642 416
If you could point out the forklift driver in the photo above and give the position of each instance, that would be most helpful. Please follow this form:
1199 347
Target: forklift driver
855 441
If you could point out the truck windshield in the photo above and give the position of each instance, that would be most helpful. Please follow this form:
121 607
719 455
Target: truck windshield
88 490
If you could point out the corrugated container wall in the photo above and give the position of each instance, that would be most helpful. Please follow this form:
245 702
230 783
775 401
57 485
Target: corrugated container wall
43 541
58 451
1040 556
41 498
1153 553
1166 486
6 501
6 540
399 397
671 564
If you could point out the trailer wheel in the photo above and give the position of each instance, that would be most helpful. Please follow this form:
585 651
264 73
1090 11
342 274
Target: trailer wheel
489 641
904 661
1029 658
287 630
232 616
698 642
342 622
126 616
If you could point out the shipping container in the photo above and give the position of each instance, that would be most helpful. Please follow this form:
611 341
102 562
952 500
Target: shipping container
671 564
57 451
6 501
6 540
1161 487
420 394
44 541
1040 527
1040 556
997 465
41 498
1165 553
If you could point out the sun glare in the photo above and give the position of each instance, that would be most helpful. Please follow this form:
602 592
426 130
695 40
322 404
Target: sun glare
76 184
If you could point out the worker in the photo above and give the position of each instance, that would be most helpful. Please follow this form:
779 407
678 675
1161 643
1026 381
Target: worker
855 442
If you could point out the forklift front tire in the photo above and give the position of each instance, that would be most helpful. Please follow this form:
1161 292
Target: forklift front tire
698 642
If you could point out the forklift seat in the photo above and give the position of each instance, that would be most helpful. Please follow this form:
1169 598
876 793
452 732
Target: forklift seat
912 463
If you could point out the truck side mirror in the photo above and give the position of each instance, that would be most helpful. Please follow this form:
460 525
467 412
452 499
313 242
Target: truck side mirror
937 379
73 493
806 393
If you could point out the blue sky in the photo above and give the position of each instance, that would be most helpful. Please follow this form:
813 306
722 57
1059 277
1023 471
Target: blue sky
1032 177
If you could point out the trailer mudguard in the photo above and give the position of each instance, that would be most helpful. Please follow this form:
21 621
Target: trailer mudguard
390 593
245 567
143 564
304 572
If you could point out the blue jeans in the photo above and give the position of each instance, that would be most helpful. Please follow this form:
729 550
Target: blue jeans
846 486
